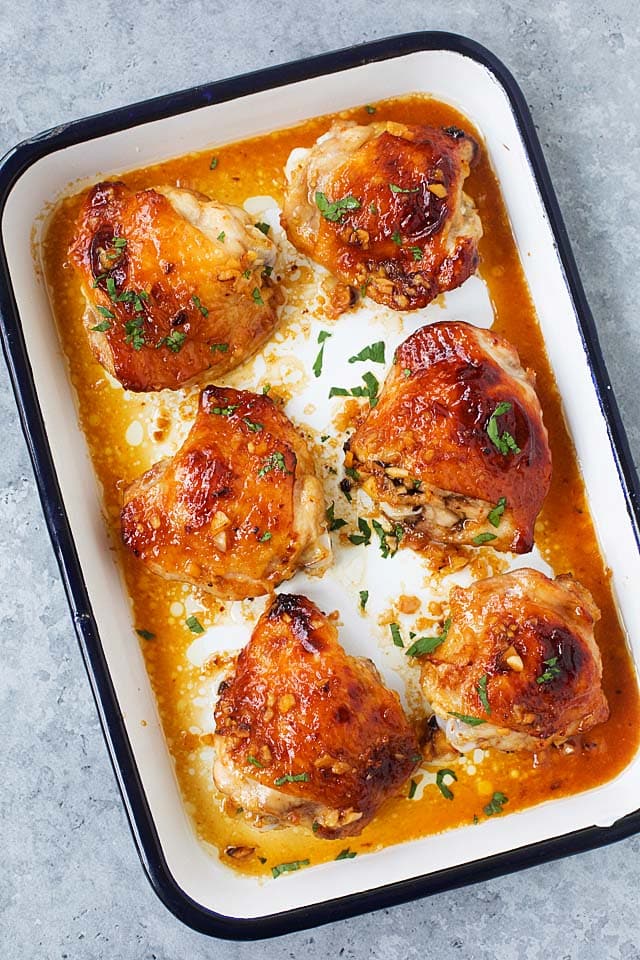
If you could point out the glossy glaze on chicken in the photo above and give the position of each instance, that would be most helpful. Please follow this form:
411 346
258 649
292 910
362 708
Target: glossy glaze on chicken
519 667
382 207
306 734
238 509
456 448
176 284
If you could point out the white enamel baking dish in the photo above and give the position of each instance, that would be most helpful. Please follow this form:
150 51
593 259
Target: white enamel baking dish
193 883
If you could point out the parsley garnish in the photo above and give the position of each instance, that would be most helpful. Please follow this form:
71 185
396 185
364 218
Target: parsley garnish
265 536
396 189
397 239
292 778
417 253
119 243
252 425
428 644
104 312
134 334
246 274
174 341
221 236
441 785
263 228
275 461
266 389
317 365
103 326
471 721
214 163
374 352
406 373
255 761
369 390
257 297
504 443
203 310
335 211
364 596
225 411
333 522
482 692
373 210
267 271
552 671
386 549
395 635
146 634
194 625
412 789
494 515
346 854
483 538
352 472
288 867
111 288
370 109
222 347
498 800
364 536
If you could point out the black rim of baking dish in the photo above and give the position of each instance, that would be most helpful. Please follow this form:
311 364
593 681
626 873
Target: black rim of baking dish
14 164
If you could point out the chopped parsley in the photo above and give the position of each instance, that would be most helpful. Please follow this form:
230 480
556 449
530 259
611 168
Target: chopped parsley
369 390
482 692
102 327
397 239
465 718
442 786
483 538
364 536
111 288
364 596
267 271
494 515
552 671
370 109
412 789
406 373
214 163
346 854
333 522
317 365
255 761
105 312
428 644
395 635
387 549
203 310
246 274
265 536
174 341
352 473
373 210
292 778
275 461
194 624
225 411
263 228
374 352
257 297
134 333
119 243
417 253
288 867
221 236
396 189
498 800
252 425
222 347
146 634
266 389
334 211
505 442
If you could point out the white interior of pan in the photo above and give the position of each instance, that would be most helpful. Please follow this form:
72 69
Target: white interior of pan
472 89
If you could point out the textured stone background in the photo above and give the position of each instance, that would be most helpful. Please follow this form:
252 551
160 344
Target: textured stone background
71 885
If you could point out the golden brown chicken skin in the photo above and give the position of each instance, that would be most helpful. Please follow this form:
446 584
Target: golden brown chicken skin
382 207
176 284
306 734
238 509
519 668
456 449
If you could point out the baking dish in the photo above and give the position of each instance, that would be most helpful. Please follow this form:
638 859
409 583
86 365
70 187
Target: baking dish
451 69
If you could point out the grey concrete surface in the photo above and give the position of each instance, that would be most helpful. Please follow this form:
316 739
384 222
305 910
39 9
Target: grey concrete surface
70 882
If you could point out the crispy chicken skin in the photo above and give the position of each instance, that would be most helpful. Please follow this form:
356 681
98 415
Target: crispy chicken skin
174 282
297 706
425 452
238 509
411 234
532 639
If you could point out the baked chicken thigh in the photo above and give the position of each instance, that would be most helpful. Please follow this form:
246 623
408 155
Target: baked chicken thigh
456 449
175 284
519 667
382 208
238 509
306 734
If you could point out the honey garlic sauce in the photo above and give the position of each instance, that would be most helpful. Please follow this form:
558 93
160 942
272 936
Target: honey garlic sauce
112 419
